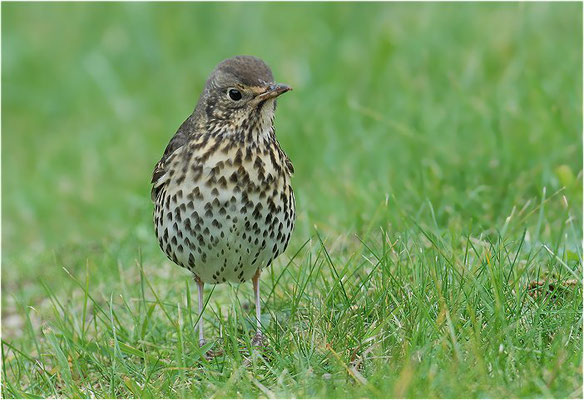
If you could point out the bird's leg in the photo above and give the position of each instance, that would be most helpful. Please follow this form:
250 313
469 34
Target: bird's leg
258 339
256 290
200 286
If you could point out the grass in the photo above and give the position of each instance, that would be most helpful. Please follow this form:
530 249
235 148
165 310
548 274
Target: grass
438 159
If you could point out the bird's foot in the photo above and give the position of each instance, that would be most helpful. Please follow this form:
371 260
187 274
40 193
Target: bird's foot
259 340
259 349
210 353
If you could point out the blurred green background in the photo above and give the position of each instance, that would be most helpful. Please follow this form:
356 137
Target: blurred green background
454 115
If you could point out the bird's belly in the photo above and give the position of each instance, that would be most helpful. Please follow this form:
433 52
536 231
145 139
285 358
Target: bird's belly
224 232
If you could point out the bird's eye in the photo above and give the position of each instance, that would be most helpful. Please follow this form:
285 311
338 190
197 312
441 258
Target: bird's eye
234 94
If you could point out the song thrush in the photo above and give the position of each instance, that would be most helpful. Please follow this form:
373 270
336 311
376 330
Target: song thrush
224 206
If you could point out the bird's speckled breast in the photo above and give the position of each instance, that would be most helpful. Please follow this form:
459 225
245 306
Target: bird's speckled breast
225 210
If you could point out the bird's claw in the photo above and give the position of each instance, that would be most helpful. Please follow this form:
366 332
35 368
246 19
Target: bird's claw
211 353
259 340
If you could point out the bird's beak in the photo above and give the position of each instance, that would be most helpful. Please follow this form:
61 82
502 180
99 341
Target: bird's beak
273 91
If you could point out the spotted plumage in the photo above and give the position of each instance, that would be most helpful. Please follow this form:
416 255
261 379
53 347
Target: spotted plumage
224 205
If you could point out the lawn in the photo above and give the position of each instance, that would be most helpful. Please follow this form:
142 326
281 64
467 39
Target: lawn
438 244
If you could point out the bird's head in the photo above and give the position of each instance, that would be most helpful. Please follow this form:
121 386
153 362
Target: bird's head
240 94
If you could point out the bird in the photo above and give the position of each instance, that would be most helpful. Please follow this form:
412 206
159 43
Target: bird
224 207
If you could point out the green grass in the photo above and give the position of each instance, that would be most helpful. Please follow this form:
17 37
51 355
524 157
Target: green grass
438 159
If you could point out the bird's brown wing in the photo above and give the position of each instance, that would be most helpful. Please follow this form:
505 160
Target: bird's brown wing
179 139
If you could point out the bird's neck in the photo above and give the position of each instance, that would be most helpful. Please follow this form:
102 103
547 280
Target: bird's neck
251 132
